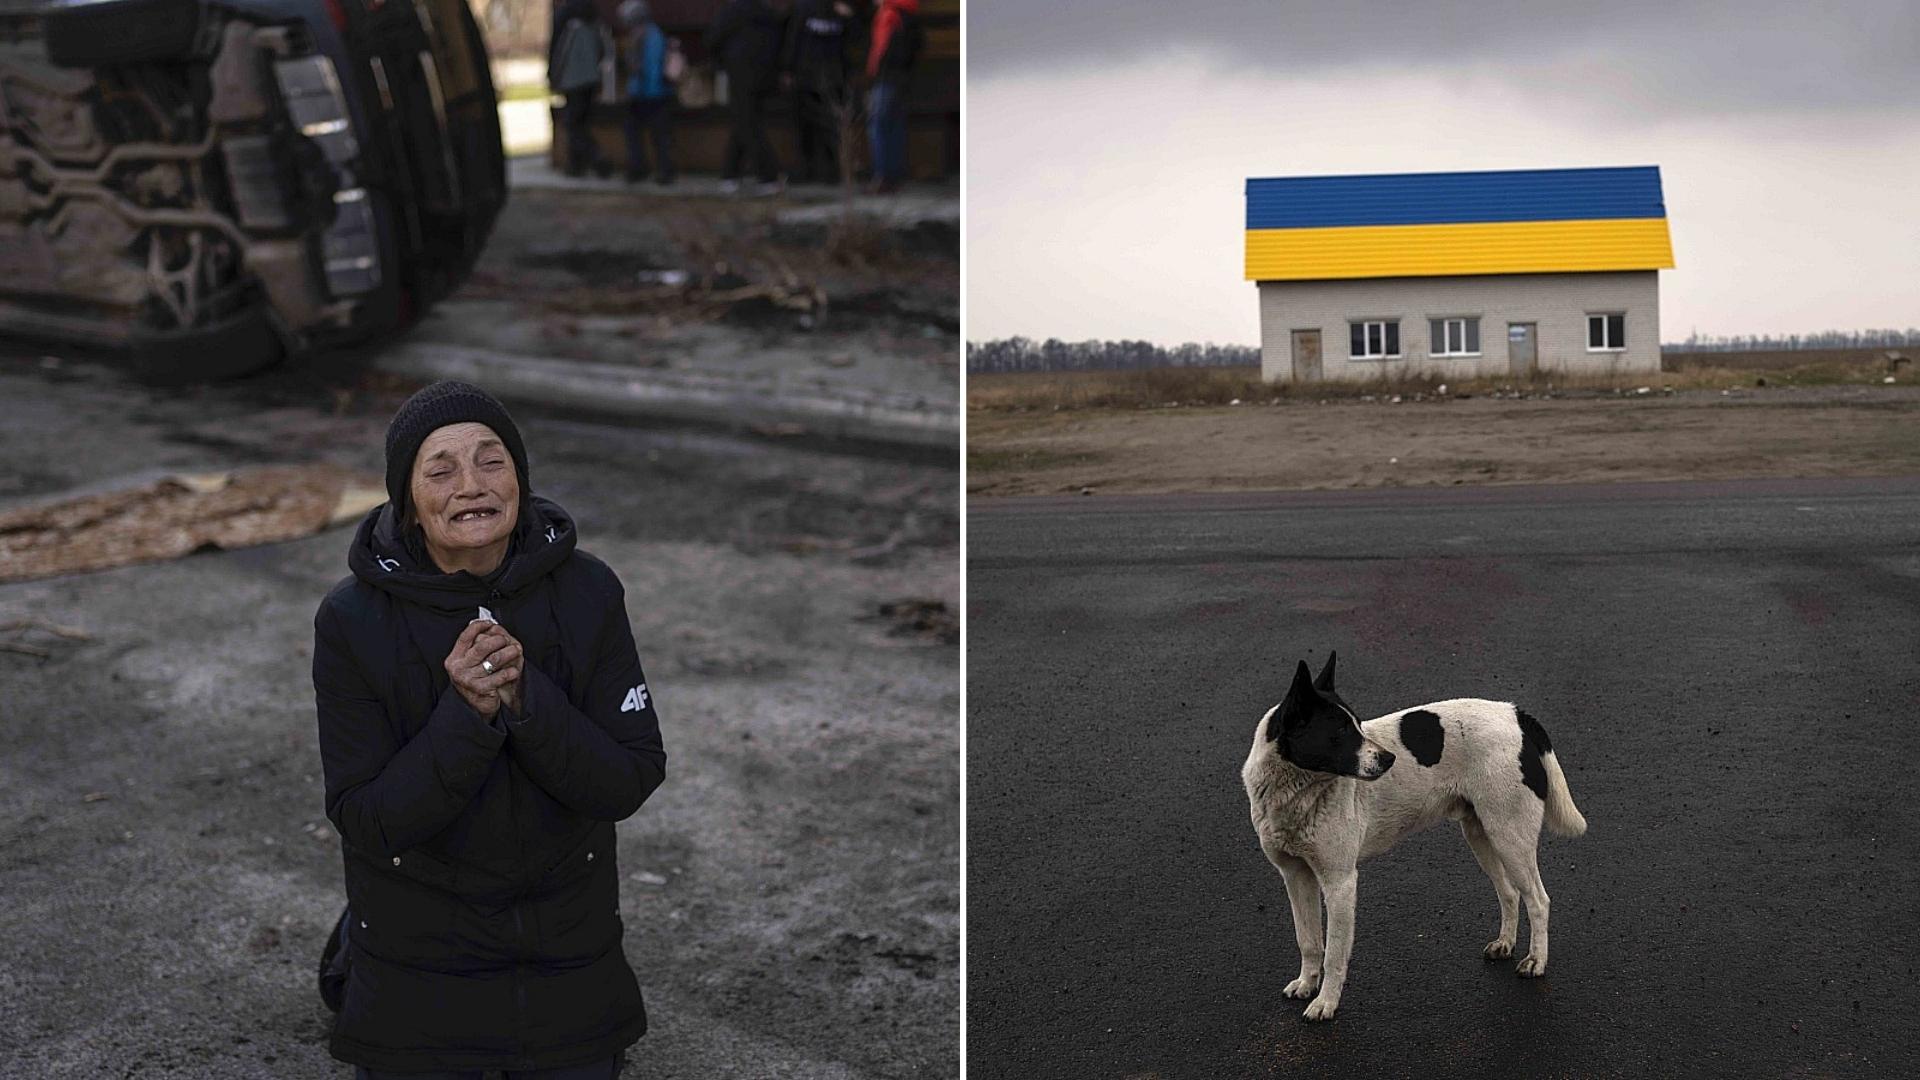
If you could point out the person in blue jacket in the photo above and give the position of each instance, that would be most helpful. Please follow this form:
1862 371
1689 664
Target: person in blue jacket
483 723
650 96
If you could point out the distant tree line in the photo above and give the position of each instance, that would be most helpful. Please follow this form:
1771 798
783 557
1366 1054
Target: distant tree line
1825 339
1025 354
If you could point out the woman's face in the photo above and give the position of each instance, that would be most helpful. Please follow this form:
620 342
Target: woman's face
465 492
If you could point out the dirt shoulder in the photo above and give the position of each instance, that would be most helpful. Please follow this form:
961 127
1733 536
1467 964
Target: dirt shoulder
850 305
831 319
1695 435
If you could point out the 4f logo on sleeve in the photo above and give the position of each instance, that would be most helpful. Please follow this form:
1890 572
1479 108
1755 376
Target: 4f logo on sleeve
636 699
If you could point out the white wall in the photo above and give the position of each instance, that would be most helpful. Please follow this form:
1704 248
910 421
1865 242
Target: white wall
1557 303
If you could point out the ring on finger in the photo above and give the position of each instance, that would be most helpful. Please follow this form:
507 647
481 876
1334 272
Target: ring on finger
486 666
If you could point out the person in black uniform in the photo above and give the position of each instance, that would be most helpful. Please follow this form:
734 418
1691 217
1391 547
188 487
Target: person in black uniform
745 39
816 59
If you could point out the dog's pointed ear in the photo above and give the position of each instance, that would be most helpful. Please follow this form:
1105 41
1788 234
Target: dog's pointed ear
1325 681
1298 703
1302 687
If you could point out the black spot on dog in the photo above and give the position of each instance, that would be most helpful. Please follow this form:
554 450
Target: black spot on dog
1421 732
1534 744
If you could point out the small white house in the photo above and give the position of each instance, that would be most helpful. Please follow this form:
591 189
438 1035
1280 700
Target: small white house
1458 274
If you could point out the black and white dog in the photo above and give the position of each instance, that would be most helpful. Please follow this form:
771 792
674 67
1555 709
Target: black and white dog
1327 791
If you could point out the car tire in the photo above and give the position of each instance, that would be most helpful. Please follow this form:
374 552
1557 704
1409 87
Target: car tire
240 345
107 32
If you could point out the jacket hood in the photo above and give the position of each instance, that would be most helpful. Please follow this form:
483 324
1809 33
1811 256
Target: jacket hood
381 557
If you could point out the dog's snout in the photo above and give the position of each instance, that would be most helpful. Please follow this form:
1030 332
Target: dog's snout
1375 762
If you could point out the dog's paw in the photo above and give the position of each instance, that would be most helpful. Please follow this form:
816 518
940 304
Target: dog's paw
1499 949
1303 987
1320 1009
1531 967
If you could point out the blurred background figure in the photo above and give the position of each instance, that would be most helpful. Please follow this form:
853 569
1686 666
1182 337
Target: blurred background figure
745 40
895 47
816 56
654 69
573 71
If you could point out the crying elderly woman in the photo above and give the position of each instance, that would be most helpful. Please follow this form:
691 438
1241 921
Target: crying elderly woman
483 723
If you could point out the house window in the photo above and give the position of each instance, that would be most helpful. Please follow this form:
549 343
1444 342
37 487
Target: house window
1606 333
1455 337
1374 340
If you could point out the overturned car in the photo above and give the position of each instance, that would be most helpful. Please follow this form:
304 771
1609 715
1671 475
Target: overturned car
212 184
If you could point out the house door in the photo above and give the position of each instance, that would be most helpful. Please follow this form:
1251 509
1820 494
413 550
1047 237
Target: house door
1520 348
1306 356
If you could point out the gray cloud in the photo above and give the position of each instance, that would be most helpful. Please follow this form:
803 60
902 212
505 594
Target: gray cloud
1647 58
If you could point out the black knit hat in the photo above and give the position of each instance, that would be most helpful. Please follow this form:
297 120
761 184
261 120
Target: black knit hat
434 407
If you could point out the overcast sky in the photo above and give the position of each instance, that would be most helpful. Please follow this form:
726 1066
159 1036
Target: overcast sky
1108 145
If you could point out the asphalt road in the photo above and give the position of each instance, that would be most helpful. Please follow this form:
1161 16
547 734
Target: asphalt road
1729 674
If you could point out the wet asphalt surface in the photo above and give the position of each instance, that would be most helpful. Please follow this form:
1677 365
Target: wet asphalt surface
1728 672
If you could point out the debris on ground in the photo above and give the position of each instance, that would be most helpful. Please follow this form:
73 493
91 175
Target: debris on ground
854 232
873 553
918 617
778 430
16 628
179 514
264 939
720 294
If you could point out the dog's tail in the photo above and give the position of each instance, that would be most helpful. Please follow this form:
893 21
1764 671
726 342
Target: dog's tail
1563 818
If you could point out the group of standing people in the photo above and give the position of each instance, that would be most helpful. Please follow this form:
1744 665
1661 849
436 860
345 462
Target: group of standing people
653 63
763 48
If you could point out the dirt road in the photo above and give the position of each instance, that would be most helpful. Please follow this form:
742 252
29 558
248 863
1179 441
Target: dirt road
1705 435
791 893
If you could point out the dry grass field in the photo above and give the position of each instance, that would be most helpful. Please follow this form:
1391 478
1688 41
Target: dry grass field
1048 391
1715 416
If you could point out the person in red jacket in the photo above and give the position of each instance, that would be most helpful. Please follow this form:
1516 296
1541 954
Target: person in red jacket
894 50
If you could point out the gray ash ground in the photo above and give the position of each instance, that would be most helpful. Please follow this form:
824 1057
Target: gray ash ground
790 896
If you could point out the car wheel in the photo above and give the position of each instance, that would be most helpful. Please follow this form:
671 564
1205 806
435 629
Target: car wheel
240 345
103 32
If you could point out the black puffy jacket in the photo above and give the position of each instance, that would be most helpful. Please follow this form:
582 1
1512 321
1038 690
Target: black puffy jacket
746 39
479 855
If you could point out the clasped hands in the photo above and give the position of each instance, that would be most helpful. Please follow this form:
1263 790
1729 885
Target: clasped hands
485 667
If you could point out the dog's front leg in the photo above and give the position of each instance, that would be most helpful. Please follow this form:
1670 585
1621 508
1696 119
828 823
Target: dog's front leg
1340 887
1303 892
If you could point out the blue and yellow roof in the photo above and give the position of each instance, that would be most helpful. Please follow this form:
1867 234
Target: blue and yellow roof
1525 221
